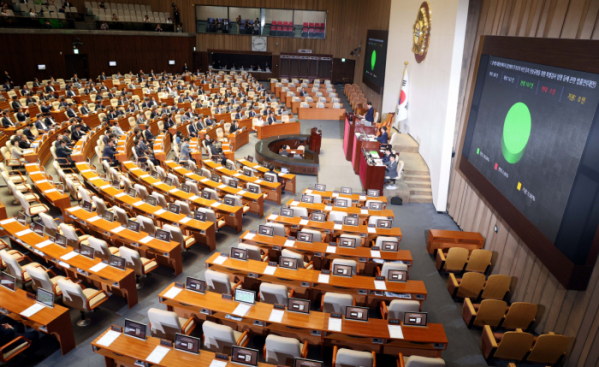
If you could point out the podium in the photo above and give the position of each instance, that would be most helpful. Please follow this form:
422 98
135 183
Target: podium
315 140
371 175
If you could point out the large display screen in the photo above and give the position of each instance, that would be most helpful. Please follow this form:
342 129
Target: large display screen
375 58
528 129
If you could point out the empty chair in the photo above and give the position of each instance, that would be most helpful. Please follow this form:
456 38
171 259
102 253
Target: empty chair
512 345
237 200
29 210
120 215
335 216
219 282
336 302
316 235
184 208
40 279
489 312
257 189
317 198
520 315
479 261
470 285
299 212
380 239
160 199
165 324
13 268
548 349
418 361
101 248
211 217
147 224
274 176
254 252
140 191
279 229
84 300
455 261
140 265
397 308
177 236
73 239
299 257
351 263
384 271
221 338
275 294
348 358
212 192
100 205
373 219
368 202
50 226
496 287
283 351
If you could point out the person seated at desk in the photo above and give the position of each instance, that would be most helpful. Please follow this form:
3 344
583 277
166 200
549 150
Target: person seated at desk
15 104
22 116
10 330
234 127
369 116
302 93
6 121
45 107
251 112
76 134
386 159
391 169
70 93
20 140
109 153
185 150
71 111
27 131
383 137
284 151
210 121
271 118
63 154
141 119
147 134
169 122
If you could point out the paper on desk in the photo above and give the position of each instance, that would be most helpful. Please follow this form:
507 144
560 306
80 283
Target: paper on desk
258 180
334 324
363 211
308 191
331 249
371 230
185 220
380 285
95 178
108 338
215 205
241 192
157 354
93 219
172 191
338 227
138 203
294 203
22 233
249 236
69 256
189 174
105 187
269 270
96 268
120 194
44 244
117 229
242 309
335 194
303 222
172 293
323 278
237 175
40 181
217 363
375 253
203 180
219 260
276 315
32 310
289 243
11 220
221 187
158 183
86 170
328 208
362 197
159 212
195 197
395 331
272 217
73 209
144 176
146 239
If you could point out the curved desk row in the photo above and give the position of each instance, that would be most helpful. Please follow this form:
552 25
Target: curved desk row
355 198
328 113
46 187
266 148
361 212
286 128
288 177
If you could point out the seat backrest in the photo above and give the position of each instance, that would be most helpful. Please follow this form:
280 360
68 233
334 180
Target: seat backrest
471 285
100 205
218 282
479 260
380 239
253 251
300 212
218 338
164 324
294 255
159 199
520 315
490 312
249 184
336 302
335 216
279 228
397 307
49 224
392 266
141 191
39 277
206 172
121 215
281 350
373 219
184 207
100 247
273 293
133 259
352 263
273 175
548 349
348 357
72 295
213 194
147 224
12 266
317 198
176 234
497 286
70 234
418 361
456 259
514 345
316 235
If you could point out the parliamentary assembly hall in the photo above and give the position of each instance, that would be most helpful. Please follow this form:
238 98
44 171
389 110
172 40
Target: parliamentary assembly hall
299 183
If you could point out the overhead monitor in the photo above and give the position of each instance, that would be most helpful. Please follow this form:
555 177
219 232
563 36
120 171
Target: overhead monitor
111 63
375 58
41 67
171 62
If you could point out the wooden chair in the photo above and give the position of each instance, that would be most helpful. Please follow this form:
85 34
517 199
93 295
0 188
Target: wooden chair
520 315
455 261
512 345
488 312
548 348
472 284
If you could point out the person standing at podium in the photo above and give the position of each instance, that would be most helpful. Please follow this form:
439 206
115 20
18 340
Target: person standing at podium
369 116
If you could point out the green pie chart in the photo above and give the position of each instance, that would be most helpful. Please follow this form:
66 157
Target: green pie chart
516 132
372 60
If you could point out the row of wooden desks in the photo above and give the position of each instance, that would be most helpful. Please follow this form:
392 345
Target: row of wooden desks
310 283
203 232
373 334
361 212
47 189
42 152
359 199
288 177
286 128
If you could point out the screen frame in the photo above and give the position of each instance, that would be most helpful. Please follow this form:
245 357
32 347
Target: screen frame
372 33
579 55
245 290
137 323
296 360
179 335
245 364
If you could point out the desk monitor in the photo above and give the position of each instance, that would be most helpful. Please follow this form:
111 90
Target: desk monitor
8 281
305 237
320 187
174 208
131 192
198 215
133 226
269 178
117 262
341 203
346 190
154 174
250 159
254 189
168 181
239 253
135 329
187 344
384 223
309 199
196 285
87 251
45 297
390 246
38 229
60 240
397 276
356 313
286 212
342 270
21 218
215 178
302 362
247 171
229 201
245 296
206 195
163 235
318 217
288 263
142 166
351 221
375 206
215 158
347 242
244 356
266 231
229 166
298 305
186 188
87 206
415 319
373 193
150 200
116 184
108 216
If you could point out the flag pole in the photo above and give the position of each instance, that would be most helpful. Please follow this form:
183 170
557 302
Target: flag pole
403 76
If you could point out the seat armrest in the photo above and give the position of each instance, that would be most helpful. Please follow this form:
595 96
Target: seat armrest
239 283
373 358
7 345
244 340
400 362
440 260
489 344
87 301
384 311
468 312
378 271
335 349
453 285
192 319
305 349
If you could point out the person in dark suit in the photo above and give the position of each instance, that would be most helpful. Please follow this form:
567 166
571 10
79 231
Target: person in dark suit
302 93
200 125
234 126
45 108
41 126
63 153
50 88
6 121
369 116
84 110
251 113
169 122
147 134
15 104
110 153
27 132
7 85
209 121
36 83
76 134
193 130
391 170
238 114
284 153
386 159
384 137
71 93
71 111
22 116
271 118
103 76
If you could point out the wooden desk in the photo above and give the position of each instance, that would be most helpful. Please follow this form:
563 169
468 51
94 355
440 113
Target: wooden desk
417 340
288 128
289 178
81 154
118 282
161 147
442 239
165 253
348 136
355 198
125 351
273 189
306 282
361 212
360 144
92 120
239 139
254 201
335 114
47 188
55 321
372 176
203 232
43 150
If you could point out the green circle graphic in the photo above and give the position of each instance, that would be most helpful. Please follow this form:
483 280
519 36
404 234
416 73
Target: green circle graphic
373 59
516 132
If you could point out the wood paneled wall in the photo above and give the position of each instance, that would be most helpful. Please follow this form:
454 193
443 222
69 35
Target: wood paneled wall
572 313
131 53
